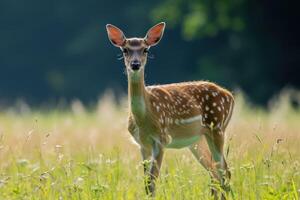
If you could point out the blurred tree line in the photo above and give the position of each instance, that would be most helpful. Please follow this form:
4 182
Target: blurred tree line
53 49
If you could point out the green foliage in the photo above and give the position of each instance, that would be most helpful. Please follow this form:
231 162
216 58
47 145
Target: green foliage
203 18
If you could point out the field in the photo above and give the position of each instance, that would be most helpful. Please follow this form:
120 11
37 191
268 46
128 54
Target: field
80 153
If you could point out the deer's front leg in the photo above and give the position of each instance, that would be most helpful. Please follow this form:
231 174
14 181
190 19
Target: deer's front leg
152 159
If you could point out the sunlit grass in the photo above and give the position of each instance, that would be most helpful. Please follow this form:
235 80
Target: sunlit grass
80 153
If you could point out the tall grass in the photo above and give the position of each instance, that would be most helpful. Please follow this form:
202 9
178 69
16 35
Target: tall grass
82 153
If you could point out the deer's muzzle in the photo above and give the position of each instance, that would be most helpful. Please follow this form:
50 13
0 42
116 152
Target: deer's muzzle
135 65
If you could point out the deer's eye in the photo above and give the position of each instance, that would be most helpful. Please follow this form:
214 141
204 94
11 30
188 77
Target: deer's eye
146 50
125 50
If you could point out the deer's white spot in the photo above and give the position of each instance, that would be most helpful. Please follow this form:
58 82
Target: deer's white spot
207 97
219 108
206 108
161 120
165 130
214 104
227 98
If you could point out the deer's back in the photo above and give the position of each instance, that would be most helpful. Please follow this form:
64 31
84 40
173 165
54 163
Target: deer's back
179 103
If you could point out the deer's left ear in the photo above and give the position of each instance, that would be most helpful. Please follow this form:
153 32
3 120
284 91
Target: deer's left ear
155 33
115 35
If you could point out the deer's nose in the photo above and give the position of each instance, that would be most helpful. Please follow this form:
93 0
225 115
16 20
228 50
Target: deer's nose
135 65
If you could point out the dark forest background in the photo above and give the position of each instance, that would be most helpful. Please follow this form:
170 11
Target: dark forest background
59 49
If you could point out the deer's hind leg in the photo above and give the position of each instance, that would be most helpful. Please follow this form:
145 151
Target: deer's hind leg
204 156
215 142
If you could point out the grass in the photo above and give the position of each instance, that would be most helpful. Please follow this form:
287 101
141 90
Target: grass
77 153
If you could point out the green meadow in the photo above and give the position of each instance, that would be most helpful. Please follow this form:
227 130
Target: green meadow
79 152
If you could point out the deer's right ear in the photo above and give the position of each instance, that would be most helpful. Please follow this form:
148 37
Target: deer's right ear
155 33
115 35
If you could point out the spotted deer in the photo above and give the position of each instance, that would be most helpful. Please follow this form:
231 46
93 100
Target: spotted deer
189 114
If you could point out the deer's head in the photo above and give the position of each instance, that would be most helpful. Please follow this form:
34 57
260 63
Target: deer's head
135 50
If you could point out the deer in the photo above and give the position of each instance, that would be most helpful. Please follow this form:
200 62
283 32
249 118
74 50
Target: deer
191 114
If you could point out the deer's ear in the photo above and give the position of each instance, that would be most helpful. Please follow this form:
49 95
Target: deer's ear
115 35
155 34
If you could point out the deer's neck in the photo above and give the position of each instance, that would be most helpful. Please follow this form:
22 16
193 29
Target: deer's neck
137 94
